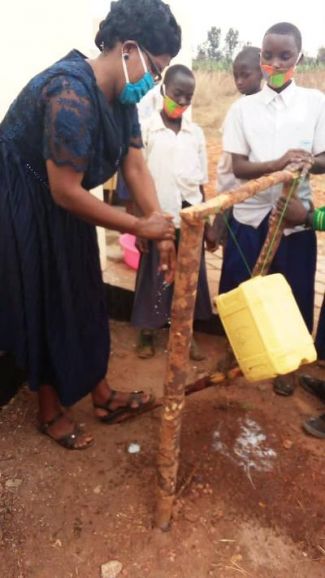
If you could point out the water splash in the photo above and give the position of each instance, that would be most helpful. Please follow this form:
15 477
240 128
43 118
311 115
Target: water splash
157 306
250 450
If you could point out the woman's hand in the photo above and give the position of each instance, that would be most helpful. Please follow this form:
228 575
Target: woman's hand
295 212
156 227
167 263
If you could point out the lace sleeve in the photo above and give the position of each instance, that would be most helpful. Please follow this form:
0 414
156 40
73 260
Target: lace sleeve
68 123
135 134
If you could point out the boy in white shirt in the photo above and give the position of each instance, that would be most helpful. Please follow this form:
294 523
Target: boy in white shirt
265 132
248 77
176 156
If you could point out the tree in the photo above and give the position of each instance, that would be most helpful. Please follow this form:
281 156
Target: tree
213 43
211 47
202 51
321 55
231 42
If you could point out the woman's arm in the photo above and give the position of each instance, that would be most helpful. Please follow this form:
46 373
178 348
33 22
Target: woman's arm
68 192
140 182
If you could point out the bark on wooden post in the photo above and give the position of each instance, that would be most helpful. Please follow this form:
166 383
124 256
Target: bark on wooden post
188 261
225 200
189 255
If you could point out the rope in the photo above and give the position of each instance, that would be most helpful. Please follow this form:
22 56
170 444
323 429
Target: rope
292 191
238 247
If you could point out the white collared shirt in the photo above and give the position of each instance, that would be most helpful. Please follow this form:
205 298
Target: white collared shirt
263 127
177 162
151 102
226 179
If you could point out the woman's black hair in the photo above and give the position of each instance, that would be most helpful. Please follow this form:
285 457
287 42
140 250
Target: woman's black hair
176 69
287 29
150 23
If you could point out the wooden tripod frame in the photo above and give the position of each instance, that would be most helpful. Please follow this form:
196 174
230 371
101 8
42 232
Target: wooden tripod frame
185 288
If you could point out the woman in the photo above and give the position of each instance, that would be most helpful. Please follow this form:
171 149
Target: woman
69 130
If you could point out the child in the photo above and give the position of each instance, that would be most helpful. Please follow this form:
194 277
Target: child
296 214
248 77
264 132
145 108
176 156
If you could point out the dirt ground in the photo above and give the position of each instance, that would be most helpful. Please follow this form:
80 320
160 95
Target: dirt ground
251 484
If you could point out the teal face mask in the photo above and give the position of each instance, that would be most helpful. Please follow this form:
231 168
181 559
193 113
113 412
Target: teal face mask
134 91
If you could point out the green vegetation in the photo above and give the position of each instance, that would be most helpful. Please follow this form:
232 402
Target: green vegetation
213 55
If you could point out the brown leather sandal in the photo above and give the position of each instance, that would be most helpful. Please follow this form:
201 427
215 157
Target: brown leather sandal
125 411
67 441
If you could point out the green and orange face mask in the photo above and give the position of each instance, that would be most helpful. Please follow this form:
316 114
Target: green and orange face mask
172 109
276 78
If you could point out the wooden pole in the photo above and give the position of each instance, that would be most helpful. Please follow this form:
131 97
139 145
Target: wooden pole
188 262
225 200
185 288
274 234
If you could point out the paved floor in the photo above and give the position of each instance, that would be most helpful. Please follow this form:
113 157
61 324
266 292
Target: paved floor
118 274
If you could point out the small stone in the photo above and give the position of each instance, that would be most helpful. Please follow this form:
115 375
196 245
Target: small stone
287 444
97 490
134 448
111 569
13 484
236 558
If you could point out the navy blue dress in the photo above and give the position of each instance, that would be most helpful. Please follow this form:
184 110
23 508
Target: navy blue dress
53 314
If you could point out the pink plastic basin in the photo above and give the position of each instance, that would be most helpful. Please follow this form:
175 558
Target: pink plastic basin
131 254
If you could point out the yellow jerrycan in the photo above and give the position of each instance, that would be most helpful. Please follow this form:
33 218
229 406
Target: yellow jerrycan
265 327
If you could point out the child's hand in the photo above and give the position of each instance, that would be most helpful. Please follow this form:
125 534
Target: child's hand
210 238
295 213
215 234
295 159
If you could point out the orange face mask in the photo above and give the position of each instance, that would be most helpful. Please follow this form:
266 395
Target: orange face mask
276 78
172 109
